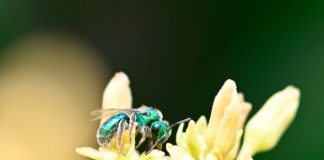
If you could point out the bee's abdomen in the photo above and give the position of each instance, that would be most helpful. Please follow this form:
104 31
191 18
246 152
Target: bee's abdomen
108 129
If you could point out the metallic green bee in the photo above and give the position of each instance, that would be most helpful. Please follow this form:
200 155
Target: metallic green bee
149 124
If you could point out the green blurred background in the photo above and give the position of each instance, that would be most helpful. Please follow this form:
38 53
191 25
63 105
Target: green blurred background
176 53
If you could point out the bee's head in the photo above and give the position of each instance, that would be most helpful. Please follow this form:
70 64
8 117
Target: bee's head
160 131
149 115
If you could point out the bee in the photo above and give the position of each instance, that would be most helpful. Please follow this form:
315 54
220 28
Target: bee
149 125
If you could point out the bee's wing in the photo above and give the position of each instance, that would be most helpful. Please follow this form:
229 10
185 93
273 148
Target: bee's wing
99 113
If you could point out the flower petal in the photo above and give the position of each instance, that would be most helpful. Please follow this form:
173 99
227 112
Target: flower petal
201 125
227 131
221 101
95 154
245 110
192 140
214 155
233 153
132 155
264 130
180 138
211 157
153 155
178 153
117 93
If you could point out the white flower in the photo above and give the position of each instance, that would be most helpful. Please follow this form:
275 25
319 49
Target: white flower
118 95
264 130
220 138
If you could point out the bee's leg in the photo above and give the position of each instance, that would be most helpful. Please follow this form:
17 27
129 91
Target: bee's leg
149 146
145 131
120 130
132 120
152 145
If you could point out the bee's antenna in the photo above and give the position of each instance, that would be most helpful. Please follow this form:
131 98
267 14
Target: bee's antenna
179 122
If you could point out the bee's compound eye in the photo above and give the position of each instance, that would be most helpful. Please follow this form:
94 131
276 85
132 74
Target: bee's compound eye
159 129
155 127
159 126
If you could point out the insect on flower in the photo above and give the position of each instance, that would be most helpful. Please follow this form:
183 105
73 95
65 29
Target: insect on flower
149 124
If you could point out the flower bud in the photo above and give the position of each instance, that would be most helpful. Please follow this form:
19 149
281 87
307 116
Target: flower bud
117 93
221 102
264 130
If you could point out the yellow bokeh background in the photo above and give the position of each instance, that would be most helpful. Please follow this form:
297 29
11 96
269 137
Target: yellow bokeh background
49 85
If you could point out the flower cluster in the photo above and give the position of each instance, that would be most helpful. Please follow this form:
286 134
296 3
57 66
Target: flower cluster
220 138
118 94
